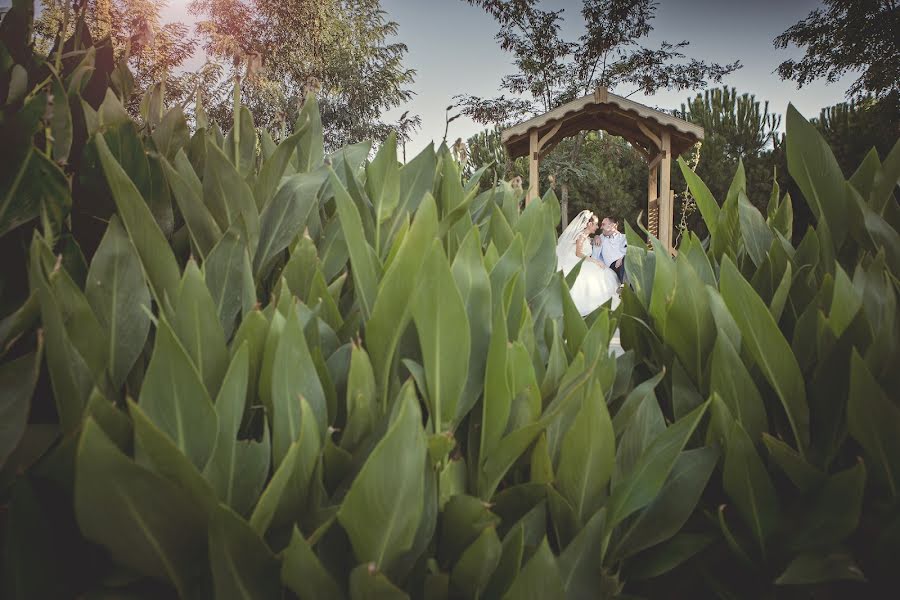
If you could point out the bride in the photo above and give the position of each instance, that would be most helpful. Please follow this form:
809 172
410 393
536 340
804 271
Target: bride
596 283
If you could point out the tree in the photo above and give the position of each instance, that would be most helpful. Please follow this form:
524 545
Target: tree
551 70
154 52
338 48
847 36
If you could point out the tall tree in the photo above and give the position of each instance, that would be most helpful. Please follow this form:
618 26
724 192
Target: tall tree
344 49
551 70
154 51
847 36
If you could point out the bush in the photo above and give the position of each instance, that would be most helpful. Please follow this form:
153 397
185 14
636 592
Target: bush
280 372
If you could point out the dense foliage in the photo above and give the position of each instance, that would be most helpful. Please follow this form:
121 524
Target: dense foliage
283 372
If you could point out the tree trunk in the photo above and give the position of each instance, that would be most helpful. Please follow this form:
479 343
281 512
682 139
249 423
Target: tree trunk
564 204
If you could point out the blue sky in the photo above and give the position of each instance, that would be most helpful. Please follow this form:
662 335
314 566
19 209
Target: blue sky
452 47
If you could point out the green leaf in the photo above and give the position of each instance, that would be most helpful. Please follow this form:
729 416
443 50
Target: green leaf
229 277
817 568
172 133
286 216
667 556
197 325
730 379
285 498
188 192
872 419
709 208
310 147
383 184
747 483
60 121
507 569
392 310
367 583
586 459
303 573
151 245
227 196
238 468
833 513
273 168
443 328
175 400
294 376
801 473
497 395
579 563
366 269
472 572
766 344
813 166
146 522
667 514
120 298
154 450
362 400
242 564
757 235
382 509
17 380
539 578
240 143
652 469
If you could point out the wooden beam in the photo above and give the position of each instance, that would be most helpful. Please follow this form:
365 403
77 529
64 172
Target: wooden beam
601 95
665 192
534 157
657 159
543 141
650 135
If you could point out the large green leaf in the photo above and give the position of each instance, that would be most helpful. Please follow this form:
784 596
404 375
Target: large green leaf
151 245
730 379
383 186
362 402
757 235
652 469
174 398
766 344
188 192
285 216
285 498
833 513
310 147
817 173
382 509
120 298
294 376
240 143
227 196
238 469
872 419
709 208
749 486
539 578
392 310
586 458
303 573
667 514
17 380
472 572
146 522
273 168
365 266
443 327
229 277
579 563
475 288
243 566
368 583
819 567
196 323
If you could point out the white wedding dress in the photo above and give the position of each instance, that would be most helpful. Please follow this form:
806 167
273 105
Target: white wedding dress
595 284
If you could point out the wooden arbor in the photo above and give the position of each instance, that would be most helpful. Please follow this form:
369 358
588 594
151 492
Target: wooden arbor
656 135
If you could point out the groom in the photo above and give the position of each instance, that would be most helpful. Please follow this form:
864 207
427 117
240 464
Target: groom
612 246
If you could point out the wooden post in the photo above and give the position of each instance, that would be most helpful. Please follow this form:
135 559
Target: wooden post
665 192
533 158
652 200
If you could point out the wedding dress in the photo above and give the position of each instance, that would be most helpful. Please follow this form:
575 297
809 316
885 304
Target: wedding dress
595 283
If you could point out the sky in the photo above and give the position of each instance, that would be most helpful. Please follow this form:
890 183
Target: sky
453 49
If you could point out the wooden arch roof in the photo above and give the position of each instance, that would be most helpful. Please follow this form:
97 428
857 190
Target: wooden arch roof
639 124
